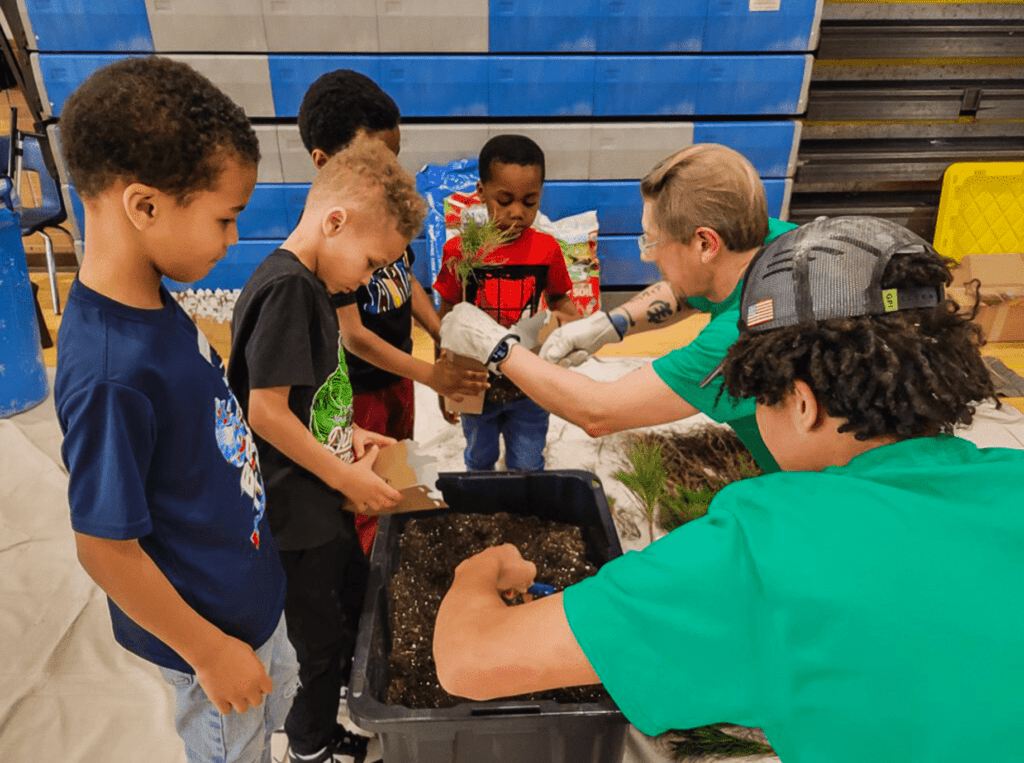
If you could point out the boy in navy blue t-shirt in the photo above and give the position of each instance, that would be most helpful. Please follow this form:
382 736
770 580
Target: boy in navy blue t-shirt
167 501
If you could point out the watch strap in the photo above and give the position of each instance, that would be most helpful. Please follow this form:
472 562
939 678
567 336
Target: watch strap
620 323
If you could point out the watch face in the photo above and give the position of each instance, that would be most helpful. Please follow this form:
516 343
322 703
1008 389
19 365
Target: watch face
500 352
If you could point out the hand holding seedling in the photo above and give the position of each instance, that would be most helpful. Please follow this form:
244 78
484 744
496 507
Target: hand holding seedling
468 330
370 494
232 676
450 380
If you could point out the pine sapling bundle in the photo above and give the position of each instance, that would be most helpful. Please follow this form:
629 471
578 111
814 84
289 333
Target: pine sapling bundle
478 242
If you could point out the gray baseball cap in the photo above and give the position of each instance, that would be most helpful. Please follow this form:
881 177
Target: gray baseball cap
830 268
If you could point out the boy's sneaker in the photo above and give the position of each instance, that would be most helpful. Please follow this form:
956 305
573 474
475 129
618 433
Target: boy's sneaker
344 719
344 748
349 747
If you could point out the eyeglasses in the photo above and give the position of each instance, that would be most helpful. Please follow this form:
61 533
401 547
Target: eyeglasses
646 245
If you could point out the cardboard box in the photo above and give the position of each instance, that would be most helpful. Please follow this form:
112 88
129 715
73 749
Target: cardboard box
998 279
401 466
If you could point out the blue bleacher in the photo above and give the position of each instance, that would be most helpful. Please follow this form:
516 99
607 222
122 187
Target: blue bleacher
504 86
437 86
514 26
769 146
543 26
662 26
98 25
785 25
541 86
290 76
652 72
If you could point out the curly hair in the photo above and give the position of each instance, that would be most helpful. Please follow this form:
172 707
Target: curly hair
367 173
913 373
510 149
338 105
154 121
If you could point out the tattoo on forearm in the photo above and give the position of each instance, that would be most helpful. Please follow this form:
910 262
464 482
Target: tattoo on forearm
650 291
659 311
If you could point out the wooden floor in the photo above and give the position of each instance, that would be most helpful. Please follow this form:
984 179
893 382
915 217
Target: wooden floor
651 344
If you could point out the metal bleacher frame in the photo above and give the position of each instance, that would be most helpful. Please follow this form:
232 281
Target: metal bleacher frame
899 92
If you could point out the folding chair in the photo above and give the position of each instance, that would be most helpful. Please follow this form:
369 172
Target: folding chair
24 152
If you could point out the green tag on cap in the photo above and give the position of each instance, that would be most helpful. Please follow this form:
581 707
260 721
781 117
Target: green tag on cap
889 300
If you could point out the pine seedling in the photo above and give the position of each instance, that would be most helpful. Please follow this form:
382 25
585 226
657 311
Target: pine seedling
477 242
647 480
711 741
687 505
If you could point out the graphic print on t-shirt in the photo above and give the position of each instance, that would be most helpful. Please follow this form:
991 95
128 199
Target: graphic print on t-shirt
389 288
504 299
236 443
330 419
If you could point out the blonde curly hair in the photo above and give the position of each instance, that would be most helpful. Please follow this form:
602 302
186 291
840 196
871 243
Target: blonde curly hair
365 173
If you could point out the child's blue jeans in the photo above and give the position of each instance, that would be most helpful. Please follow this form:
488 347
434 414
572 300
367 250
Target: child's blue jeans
237 737
524 426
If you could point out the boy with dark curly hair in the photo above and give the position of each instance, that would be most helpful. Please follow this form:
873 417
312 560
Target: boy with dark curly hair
376 318
167 502
859 604
291 374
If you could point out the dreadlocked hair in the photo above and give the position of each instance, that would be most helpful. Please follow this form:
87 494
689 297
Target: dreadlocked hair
912 373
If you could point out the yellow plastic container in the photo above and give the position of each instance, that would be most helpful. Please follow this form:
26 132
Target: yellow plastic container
981 210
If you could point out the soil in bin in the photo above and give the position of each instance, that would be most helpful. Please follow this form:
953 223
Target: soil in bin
430 550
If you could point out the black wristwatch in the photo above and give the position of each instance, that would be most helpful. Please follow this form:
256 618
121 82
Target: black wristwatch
501 351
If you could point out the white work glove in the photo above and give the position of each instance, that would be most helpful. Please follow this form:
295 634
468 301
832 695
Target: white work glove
573 343
468 330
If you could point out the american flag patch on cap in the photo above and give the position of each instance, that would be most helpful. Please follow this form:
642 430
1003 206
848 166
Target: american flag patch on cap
760 312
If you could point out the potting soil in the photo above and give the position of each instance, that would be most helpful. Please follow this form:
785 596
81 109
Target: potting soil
430 550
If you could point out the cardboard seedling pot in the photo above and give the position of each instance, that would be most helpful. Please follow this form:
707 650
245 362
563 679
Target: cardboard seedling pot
532 331
469 403
398 466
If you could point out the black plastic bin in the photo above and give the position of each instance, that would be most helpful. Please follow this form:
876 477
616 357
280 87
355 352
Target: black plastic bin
503 731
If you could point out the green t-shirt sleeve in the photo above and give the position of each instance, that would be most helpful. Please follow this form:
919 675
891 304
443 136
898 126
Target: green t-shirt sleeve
684 369
676 632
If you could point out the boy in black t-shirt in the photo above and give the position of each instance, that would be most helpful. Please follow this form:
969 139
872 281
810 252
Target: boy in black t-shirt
376 319
290 373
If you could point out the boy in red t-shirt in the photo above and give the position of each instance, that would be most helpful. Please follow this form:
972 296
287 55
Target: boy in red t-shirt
531 264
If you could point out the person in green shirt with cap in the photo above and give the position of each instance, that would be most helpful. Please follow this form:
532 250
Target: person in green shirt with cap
859 605
705 216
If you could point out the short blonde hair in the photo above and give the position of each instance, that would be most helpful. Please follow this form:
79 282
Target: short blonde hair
708 185
367 174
